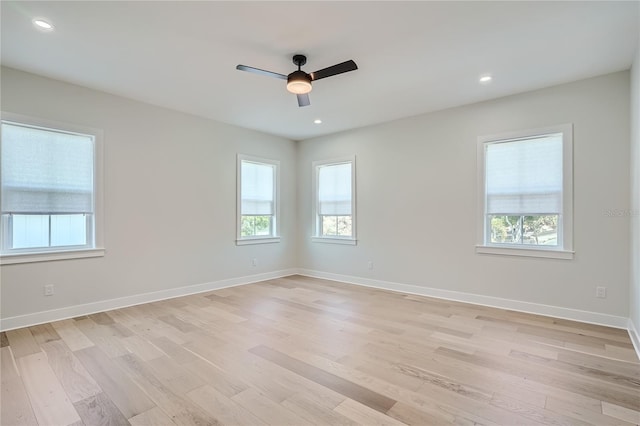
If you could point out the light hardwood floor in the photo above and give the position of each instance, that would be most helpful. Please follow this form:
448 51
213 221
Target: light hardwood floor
297 350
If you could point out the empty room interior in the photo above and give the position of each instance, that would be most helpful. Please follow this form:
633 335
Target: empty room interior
292 213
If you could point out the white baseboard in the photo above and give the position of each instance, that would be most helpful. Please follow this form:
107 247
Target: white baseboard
635 337
20 321
476 299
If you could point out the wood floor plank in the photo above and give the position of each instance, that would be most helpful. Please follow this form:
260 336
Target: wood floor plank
411 415
433 400
175 377
365 415
108 337
15 407
224 315
173 350
177 407
536 414
264 408
456 377
595 373
351 390
50 403
605 364
269 379
144 349
221 380
75 379
22 342
99 410
316 411
222 408
101 318
4 341
124 393
626 352
620 354
183 326
622 413
578 412
71 335
44 333
580 384
153 417
384 371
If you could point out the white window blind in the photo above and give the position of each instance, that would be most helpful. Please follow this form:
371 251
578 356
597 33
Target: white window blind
524 177
46 172
334 189
257 189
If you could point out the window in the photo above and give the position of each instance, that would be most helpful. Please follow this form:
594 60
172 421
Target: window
334 184
48 188
526 193
257 200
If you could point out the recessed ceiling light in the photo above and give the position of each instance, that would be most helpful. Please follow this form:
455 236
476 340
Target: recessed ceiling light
42 24
485 79
317 121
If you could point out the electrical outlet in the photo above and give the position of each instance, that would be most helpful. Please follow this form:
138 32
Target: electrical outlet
254 262
48 290
370 264
601 292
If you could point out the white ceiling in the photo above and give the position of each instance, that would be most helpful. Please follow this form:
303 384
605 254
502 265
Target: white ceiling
413 57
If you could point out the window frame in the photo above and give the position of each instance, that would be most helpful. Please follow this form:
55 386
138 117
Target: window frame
275 223
564 250
95 248
335 239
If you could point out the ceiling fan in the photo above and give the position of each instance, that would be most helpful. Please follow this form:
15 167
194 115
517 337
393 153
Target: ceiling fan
299 82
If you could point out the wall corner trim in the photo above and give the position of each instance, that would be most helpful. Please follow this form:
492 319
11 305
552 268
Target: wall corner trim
36 318
635 337
477 299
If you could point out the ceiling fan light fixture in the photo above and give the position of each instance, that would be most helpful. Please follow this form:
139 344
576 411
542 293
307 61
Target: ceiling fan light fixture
299 82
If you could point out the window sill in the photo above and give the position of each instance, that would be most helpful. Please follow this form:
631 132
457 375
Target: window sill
329 240
9 259
526 252
266 240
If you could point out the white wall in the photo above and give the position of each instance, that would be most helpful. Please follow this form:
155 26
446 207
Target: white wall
634 293
169 200
416 199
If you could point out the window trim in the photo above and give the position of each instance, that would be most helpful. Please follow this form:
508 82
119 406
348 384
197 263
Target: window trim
12 259
65 252
565 225
316 237
267 239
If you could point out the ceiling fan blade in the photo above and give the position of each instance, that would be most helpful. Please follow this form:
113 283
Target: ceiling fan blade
303 100
262 72
334 70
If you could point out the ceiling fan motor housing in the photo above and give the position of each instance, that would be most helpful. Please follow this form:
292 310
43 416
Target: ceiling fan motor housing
299 82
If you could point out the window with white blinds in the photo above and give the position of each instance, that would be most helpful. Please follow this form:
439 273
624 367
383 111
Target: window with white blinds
47 189
526 190
46 171
257 200
335 201
525 176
